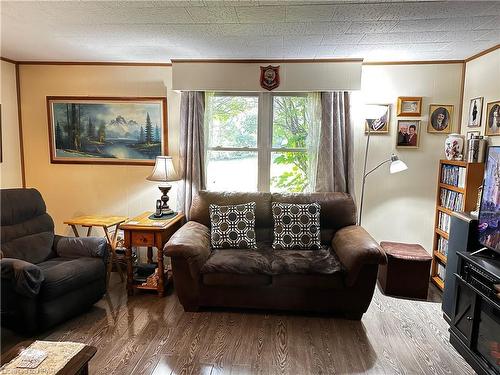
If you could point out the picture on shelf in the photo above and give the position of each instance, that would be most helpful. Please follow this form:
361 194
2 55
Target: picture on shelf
107 130
493 118
408 134
377 118
475 133
440 118
475 111
409 106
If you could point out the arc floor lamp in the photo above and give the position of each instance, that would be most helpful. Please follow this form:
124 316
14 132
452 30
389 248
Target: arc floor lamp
395 167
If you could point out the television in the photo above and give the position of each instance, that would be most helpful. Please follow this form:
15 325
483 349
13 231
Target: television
489 211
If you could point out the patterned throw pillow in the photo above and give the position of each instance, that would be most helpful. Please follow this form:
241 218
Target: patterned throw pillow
233 227
296 226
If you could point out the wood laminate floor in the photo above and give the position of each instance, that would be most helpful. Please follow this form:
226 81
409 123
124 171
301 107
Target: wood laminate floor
145 334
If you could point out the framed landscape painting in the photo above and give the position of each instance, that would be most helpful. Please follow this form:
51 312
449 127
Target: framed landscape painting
107 130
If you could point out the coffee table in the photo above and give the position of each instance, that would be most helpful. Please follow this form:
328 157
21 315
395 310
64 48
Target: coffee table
78 365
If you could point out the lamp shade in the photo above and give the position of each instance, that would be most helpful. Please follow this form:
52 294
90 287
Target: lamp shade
163 170
397 165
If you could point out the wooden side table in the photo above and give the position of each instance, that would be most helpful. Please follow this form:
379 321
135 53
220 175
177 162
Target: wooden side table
142 231
106 223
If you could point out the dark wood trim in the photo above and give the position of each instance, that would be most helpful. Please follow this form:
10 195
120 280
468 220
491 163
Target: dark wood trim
94 63
163 100
422 62
477 55
264 61
20 125
8 60
462 93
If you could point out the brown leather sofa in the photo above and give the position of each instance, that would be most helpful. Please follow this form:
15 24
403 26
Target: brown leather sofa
338 279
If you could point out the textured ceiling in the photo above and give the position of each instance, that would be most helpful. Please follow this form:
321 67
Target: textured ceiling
157 31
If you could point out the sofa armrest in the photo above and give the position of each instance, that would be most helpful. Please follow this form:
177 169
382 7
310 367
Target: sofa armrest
25 277
76 247
356 248
191 242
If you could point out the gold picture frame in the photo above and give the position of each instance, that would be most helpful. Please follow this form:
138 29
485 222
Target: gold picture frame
440 119
408 134
410 106
378 118
492 127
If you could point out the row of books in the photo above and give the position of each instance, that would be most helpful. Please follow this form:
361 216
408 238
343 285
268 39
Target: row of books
441 271
453 175
444 222
442 246
451 200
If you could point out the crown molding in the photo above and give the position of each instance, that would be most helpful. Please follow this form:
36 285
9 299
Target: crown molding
415 62
482 53
262 61
8 60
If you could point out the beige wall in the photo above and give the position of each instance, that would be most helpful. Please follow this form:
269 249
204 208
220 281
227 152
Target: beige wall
397 207
10 168
68 189
400 207
482 76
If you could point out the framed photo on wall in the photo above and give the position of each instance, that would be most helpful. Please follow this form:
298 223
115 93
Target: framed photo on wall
408 135
471 134
493 118
409 106
440 118
377 118
107 130
475 111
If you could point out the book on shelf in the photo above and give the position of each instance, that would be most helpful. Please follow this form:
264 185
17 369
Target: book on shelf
442 246
444 222
451 200
441 271
453 175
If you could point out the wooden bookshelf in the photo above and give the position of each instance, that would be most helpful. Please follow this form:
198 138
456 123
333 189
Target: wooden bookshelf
466 198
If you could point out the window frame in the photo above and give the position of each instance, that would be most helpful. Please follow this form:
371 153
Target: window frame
265 124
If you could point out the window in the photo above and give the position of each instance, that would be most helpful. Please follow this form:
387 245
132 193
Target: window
257 142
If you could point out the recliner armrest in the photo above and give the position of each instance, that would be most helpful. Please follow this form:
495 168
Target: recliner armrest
191 242
26 277
356 248
76 247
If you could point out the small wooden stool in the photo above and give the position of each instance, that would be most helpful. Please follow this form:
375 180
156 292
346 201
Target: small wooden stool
407 271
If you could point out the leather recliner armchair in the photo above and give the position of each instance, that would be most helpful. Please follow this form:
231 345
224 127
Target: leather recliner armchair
45 278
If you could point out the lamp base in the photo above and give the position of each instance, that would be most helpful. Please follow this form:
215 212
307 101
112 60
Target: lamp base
165 210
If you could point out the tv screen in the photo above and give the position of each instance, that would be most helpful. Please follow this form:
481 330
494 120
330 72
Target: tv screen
489 212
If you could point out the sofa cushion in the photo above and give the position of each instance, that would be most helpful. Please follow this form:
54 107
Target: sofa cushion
266 261
63 275
234 279
233 226
313 281
296 226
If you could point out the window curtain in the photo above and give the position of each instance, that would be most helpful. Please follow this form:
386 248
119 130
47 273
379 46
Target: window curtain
191 148
335 164
313 113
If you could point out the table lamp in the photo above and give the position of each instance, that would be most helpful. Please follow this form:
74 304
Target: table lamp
164 171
